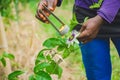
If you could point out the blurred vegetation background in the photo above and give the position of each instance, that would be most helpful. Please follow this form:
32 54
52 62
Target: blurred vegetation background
25 35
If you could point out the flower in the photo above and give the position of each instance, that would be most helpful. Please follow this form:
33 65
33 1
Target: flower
73 38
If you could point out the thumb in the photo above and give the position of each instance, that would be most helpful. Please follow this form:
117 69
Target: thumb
83 34
83 28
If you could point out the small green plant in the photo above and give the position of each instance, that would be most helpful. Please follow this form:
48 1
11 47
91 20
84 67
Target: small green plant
14 75
49 58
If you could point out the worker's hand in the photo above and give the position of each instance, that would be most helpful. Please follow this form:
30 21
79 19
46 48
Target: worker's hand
90 29
50 4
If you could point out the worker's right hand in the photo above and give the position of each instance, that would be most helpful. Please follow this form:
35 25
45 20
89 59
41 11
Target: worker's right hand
90 29
50 4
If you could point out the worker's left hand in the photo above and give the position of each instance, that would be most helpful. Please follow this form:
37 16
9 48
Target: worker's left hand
90 28
50 4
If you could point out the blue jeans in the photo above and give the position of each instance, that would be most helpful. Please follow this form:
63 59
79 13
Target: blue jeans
96 58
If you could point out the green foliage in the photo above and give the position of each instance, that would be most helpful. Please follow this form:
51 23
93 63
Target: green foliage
73 22
40 66
45 63
54 68
52 42
14 75
96 5
6 55
41 75
7 8
66 53
31 77
86 18
3 61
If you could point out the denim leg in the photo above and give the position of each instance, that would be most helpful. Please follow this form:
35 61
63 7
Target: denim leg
96 59
116 42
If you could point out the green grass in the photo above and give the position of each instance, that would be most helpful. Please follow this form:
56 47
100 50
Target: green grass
115 63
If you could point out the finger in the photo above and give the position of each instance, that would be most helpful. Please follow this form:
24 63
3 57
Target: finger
83 28
84 34
55 4
46 13
50 7
44 18
87 40
82 40
45 10
39 18
40 14
40 5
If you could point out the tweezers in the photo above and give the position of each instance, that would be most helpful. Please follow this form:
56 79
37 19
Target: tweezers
54 26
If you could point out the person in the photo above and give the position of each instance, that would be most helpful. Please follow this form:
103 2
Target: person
102 26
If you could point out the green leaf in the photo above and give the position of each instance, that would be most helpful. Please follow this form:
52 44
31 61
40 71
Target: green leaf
60 48
51 43
14 74
73 22
54 68
42 75
96 5
40 66
32 77
86 18
48 57
40 56
60 72
66 53
74 48
3 61
1 58
7 55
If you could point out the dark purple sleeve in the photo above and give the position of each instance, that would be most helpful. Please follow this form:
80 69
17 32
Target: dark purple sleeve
109 9
59 2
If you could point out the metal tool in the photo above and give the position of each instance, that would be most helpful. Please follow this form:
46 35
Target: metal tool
64 28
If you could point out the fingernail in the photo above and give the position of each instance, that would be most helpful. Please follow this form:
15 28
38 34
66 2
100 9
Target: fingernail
44 18
47 22
51 8
41 15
